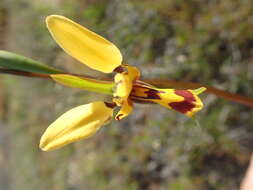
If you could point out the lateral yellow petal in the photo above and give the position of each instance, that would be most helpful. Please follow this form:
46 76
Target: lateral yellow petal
78 123
133 72
84 45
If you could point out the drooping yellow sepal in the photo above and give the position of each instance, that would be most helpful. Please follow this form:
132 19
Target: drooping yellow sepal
126 109
83 44
78 123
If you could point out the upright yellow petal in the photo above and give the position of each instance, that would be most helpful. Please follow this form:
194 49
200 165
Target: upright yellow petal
123 88
124 83
78 123
83 44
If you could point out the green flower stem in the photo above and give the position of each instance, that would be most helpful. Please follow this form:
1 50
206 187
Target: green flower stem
84 83
70 80
23 73
103 87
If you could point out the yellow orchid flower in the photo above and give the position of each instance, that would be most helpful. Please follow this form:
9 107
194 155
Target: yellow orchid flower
99 54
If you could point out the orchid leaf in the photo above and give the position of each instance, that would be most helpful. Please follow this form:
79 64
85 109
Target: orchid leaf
9 60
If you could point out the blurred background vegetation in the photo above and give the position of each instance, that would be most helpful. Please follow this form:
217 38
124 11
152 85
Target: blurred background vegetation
206 41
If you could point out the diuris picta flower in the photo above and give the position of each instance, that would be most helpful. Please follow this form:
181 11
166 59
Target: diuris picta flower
99 54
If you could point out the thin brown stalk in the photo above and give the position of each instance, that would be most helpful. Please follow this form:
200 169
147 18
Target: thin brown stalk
23 73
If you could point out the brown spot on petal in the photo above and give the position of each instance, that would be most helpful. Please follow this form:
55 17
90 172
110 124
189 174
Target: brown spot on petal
110 105
186 105
183 106
118 117
186 94
153 94
138 100
150 92
119 69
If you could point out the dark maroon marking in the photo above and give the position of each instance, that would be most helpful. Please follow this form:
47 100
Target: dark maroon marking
153 94
119 69
118 117
138 100
141 86
186 94
182 107
146 87
146 98
110 105
141 83
186 105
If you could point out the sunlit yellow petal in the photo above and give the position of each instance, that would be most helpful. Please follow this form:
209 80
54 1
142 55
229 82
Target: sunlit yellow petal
125 110
83 44
78 123
132 72
123 87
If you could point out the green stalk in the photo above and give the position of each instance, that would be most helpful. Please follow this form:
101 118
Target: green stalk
70 80
84 83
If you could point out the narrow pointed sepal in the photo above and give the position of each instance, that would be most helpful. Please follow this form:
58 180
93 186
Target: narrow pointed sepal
199 90
84 45
125 110
78 123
